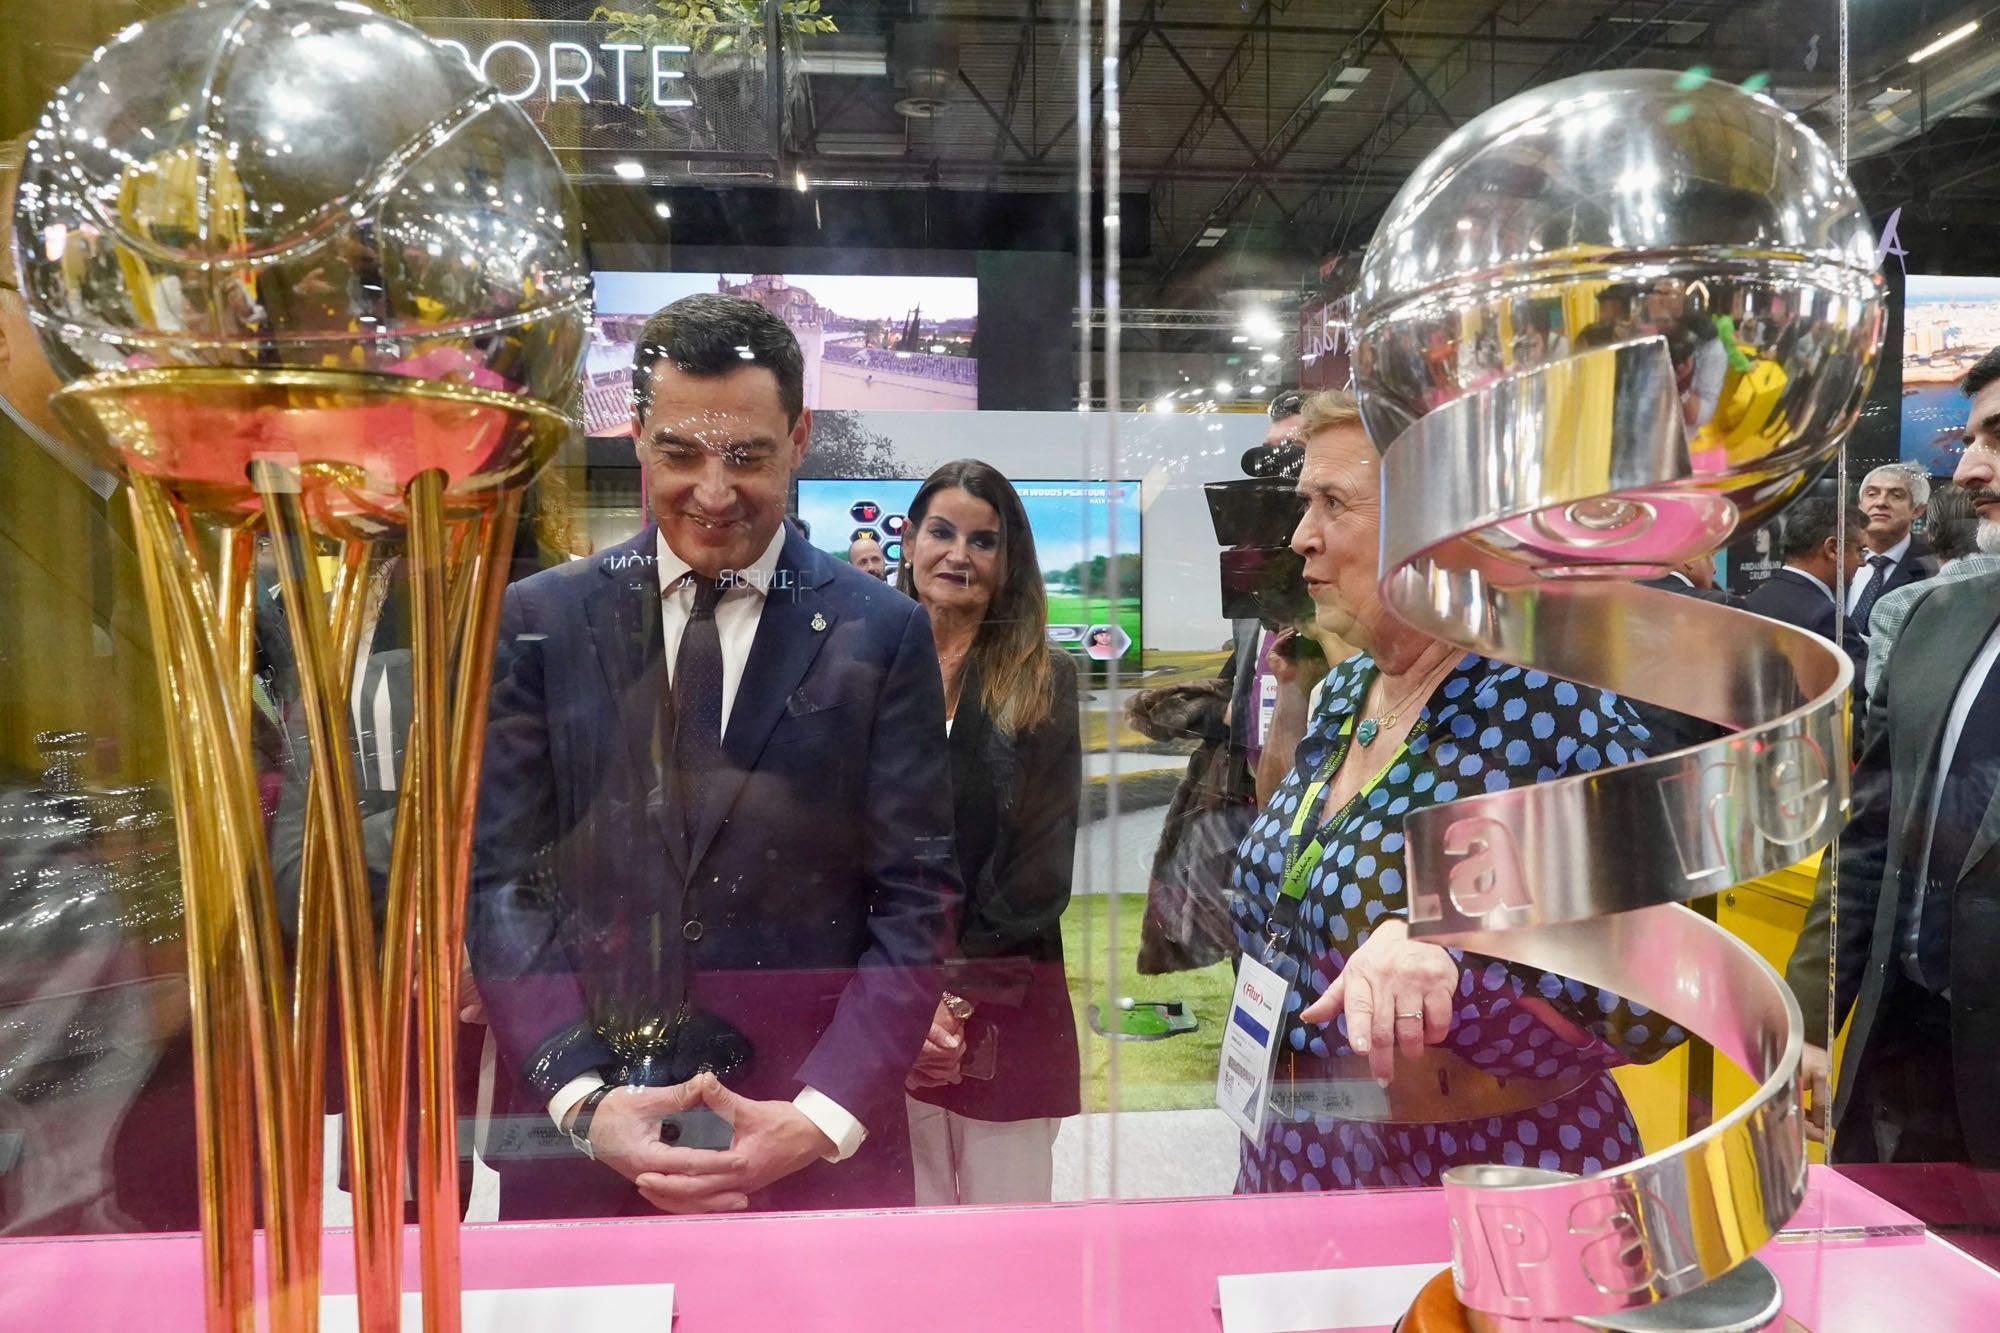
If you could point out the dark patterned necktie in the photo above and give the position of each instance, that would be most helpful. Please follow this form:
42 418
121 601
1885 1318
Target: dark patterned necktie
1871 591
697 696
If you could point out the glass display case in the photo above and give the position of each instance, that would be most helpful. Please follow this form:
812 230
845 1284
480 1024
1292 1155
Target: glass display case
1098 665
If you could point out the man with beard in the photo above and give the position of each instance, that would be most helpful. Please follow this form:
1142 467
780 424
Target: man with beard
1920 875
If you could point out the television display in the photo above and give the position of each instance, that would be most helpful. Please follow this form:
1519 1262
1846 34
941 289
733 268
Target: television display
1071 521
876 342
1948 324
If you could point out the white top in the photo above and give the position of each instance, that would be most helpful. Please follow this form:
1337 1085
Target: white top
1862 575
736 617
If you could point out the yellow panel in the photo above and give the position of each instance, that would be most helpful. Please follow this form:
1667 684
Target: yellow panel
1767 914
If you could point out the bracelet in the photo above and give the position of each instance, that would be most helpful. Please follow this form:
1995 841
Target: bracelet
579 1130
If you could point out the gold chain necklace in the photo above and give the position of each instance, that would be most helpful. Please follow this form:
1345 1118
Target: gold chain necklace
1369 728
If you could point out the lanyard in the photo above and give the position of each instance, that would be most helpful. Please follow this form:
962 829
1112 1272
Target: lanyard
1300 861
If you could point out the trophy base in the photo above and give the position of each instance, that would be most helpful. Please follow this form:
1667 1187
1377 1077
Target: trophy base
1746 1299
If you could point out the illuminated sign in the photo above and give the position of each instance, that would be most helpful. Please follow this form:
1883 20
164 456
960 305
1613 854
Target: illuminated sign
619 73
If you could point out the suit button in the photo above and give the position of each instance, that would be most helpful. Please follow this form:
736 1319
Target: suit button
670 1132
691 931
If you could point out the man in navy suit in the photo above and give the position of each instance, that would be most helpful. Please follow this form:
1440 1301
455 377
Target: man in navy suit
713 873
1801 592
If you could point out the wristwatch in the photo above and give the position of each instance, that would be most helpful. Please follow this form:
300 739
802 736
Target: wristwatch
579 1128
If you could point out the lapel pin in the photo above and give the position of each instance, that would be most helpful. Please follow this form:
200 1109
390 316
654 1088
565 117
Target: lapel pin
818 622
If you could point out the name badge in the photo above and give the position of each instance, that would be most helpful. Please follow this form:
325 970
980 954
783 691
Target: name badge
1250 1046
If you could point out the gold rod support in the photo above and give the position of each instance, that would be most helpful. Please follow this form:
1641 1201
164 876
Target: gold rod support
437 1155
244 867
222 1137
375 1156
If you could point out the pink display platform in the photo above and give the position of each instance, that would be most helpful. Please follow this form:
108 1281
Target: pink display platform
1147 1267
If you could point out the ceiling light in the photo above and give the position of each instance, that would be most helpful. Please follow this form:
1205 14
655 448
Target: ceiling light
629 170
1239 338
799 180
1270 358
1352 74
1952 38
1224 388
664 209
1207 243
1164 404
1337 93
1258 388
1218 232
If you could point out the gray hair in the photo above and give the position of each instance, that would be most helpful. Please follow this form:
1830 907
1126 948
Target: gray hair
1916 479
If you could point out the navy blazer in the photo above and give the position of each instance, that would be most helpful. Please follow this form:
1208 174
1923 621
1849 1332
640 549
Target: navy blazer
1793 598
821 874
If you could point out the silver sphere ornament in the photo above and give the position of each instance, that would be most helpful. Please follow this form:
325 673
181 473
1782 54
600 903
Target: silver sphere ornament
1701 227
291 190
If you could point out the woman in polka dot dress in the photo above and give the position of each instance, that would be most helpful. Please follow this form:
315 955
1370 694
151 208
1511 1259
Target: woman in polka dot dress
1410 723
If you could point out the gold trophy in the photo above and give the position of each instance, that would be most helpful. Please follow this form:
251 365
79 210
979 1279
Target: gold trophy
308 279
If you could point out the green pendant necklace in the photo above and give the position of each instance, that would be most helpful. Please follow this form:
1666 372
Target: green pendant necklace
1369 728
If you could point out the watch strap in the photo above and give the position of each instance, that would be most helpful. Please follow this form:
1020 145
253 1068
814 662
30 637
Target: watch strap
579 1129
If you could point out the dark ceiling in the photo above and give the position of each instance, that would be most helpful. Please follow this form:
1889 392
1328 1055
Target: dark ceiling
1258 136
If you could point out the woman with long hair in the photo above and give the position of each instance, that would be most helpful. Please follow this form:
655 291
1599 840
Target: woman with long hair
1000 1068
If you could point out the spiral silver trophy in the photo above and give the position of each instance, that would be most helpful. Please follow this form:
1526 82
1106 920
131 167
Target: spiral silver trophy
311 281
1518 321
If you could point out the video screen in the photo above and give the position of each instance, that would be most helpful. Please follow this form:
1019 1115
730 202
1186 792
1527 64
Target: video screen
1071 521
1948 324
898 343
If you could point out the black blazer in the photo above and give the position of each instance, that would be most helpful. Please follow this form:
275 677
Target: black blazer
1014 810
1918 563
1668 583
820 872
1793 598
1668 731
1894 783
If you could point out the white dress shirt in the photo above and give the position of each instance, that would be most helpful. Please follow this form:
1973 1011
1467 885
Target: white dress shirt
736 619
1862 575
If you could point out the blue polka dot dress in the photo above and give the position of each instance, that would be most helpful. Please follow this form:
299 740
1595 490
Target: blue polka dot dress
1490 726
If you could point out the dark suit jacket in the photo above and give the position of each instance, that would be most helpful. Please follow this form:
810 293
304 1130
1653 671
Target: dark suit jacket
820 874
1667 730
1014 805
1917 564
1793 598
1893 786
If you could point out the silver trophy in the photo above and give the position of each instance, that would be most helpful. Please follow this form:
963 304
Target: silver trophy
1606 326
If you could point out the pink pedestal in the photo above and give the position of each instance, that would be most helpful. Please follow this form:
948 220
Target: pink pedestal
1147 1267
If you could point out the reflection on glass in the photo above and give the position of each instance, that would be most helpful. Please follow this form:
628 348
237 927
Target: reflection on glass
1000 1066
714 878
1399 1059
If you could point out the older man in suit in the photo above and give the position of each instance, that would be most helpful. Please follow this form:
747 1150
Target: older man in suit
1891 499
714 871
1919 919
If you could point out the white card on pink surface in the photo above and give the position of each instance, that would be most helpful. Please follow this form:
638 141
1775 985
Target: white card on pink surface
1329 1300
643 1308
